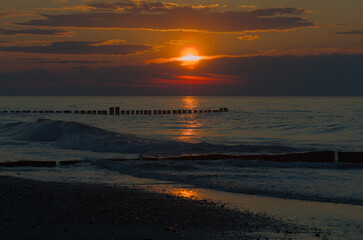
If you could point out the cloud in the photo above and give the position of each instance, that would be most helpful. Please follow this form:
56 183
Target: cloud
355 32
12 13
169 16
176 42
69 8
278 11
247 6
134 6
61 61
248 37
49 32
81 48
285 75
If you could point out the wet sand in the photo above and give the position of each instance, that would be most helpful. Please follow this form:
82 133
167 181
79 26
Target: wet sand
32 209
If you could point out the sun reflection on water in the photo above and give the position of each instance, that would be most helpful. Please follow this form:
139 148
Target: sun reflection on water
191 122
190 102
186 193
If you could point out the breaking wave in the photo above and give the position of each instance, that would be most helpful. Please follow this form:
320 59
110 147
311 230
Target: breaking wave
80 136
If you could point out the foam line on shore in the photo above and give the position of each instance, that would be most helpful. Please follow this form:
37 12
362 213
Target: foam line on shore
321 156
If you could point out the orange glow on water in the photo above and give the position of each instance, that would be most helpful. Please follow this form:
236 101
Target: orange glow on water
186 193
192 125
190 102
189 79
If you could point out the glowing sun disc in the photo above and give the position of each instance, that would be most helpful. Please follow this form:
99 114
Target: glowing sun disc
189 56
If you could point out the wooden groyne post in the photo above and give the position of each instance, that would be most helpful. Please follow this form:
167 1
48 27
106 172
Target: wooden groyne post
118 111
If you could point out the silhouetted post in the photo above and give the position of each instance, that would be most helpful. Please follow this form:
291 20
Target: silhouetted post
117 110
336 158
112 110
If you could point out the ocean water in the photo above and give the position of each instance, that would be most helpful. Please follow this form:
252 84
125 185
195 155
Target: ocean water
253 125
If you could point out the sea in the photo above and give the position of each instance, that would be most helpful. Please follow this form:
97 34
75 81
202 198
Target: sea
110 148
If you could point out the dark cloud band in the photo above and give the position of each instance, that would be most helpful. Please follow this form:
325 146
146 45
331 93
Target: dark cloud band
49 32
81 48
320 75
356 32
181 18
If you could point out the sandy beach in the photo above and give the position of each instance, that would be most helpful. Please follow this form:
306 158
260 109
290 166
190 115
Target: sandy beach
44 210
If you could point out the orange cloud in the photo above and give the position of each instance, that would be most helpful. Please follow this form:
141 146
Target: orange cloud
247 6
197 80
248 37
12 13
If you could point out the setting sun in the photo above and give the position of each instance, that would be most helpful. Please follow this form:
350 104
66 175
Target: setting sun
189 56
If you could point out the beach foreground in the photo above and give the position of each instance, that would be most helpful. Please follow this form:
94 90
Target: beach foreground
45 210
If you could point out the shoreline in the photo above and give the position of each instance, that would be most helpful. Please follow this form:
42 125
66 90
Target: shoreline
32 209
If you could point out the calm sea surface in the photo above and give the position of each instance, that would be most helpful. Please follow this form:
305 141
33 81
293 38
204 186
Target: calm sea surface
253 125
304 123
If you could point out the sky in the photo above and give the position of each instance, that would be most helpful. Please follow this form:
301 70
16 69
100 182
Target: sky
185 47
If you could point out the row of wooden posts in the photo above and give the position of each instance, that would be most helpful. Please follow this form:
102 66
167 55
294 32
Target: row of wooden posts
117 111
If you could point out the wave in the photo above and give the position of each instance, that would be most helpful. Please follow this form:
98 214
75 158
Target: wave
324 182
80 136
